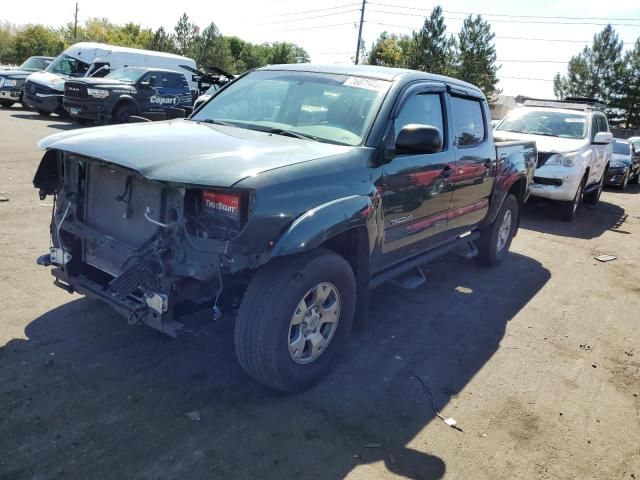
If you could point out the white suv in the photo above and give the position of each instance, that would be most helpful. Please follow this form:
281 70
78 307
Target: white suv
574 149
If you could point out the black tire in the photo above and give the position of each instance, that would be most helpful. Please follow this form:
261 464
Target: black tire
263 325
594 196
44 113
492 246
7 103
122 113
569 210
625 182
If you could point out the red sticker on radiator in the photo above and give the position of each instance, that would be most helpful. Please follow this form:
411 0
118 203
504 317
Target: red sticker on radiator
221 204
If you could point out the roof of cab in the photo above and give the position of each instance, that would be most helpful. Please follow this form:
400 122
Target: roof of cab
372 71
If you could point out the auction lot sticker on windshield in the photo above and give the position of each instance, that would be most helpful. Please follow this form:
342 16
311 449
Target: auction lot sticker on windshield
366 83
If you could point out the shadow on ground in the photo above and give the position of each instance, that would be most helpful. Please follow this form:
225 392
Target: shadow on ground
591 221
86 396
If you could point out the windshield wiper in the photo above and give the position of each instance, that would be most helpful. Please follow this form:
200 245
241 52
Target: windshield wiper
291 133
217 122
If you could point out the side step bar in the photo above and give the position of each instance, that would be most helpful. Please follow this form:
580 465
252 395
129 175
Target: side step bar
395 270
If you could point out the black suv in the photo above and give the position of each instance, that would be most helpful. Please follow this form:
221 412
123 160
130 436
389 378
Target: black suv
128 91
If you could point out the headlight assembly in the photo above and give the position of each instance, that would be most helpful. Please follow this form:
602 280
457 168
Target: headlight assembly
10 83
563 159
98 92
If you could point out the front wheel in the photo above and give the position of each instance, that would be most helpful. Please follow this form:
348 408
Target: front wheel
122 113
568 210
293 319
594 196
496 239
6 103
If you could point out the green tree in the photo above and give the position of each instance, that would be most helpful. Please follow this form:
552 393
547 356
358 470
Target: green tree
625 97
185 36
389 50
284 52
594 71
7 43
431 48
36 40
476 56
162 41
212 49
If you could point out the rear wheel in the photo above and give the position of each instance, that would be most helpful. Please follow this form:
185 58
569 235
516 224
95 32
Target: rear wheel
122 113
44 113
496 239
294 317
568 210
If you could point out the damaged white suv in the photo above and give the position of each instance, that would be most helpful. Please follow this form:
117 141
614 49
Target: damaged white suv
574 149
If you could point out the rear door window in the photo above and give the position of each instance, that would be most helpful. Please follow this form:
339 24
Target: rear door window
468 121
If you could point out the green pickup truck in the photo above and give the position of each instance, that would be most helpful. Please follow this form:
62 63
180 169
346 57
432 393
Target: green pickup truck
293 191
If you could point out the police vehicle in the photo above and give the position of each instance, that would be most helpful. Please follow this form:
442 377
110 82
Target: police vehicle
148 92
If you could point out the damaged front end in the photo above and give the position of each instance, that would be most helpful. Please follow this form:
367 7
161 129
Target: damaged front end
145 247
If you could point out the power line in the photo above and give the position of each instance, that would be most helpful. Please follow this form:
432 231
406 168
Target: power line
534 39
317 26
290 20
509 15
307 12
406 14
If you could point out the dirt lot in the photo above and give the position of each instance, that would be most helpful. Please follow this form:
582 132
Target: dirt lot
538 361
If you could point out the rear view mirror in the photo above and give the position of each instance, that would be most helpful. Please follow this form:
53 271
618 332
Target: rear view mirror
419 139
602 138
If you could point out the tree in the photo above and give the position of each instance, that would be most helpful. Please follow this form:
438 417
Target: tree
284 52
36 40
211 48
626 96
162 42
389 50
594 71
185 35
476 56
431 49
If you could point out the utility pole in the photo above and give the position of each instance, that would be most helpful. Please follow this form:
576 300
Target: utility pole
360 32
75 24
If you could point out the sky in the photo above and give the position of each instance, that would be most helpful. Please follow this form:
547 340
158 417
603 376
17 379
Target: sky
328 29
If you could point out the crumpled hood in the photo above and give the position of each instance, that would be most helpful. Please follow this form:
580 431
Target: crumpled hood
544 143
50 80
189 152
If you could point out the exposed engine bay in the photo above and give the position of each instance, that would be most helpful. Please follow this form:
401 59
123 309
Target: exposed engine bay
145 247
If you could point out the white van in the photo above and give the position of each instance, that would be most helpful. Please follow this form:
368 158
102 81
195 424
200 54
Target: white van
43 91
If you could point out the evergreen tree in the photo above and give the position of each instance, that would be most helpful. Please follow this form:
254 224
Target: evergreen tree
476 56
431 48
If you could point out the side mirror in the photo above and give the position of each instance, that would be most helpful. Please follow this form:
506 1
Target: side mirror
602 138
144 83
415 138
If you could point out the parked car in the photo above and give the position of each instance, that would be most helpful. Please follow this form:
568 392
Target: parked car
625 164
12 80
128 91
574 149
636 142
44 91
299 218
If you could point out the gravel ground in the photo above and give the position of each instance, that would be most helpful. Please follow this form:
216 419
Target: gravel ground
538 360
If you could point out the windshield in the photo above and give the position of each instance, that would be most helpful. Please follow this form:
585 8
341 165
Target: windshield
543 122
35 64
66 65
325 107
126 75
621 147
